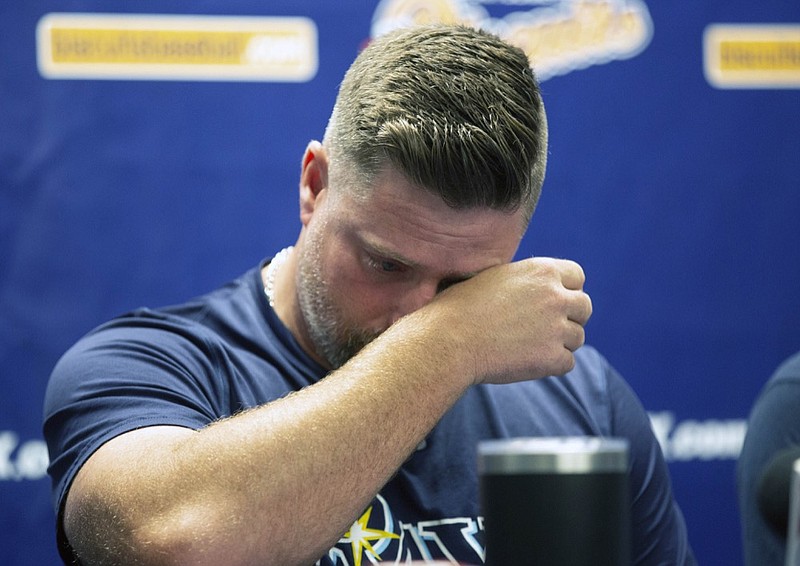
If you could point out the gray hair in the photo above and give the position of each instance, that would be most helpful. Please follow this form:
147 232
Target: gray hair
457 110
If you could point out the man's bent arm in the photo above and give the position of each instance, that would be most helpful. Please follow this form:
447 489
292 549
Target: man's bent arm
279 484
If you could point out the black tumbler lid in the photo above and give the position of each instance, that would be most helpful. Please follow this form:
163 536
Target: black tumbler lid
559 455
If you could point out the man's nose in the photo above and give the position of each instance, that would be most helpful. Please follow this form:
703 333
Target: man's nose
415 298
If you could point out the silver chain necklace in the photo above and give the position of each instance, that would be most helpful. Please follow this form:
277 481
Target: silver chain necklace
272 272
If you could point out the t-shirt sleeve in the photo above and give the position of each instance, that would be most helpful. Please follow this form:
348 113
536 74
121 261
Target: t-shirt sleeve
659 535
123 377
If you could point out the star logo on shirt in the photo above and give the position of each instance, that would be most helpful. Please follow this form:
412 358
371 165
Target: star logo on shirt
360 536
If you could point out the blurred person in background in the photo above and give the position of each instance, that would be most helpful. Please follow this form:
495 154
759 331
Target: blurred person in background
771 445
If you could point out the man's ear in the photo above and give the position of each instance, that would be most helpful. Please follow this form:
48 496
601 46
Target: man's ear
313 179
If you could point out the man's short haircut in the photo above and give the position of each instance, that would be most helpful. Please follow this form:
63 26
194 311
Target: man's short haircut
457 110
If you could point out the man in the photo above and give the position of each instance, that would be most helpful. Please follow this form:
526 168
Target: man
326 406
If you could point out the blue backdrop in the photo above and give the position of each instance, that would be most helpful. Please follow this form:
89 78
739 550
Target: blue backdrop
673 179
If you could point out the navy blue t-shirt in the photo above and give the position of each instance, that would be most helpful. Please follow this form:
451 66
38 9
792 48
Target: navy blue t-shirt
195 363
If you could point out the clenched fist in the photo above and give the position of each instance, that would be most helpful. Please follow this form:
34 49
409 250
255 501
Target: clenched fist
518 321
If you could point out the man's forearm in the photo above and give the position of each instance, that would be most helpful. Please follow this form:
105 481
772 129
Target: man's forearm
279 484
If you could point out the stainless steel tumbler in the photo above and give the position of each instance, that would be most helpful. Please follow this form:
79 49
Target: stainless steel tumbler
555 501
793 534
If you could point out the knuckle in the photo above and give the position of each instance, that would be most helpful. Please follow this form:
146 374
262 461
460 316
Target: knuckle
568 364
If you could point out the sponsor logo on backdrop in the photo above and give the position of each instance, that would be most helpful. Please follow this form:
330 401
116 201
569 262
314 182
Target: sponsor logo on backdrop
21 460
752 56
559 36
689 440
175 47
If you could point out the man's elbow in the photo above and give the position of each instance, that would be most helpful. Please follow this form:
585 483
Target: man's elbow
100 535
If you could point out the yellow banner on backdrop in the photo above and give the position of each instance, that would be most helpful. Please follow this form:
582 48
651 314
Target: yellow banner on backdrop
752 56
173 47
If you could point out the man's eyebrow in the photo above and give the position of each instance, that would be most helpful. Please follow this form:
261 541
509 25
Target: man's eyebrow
380 250
384 252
